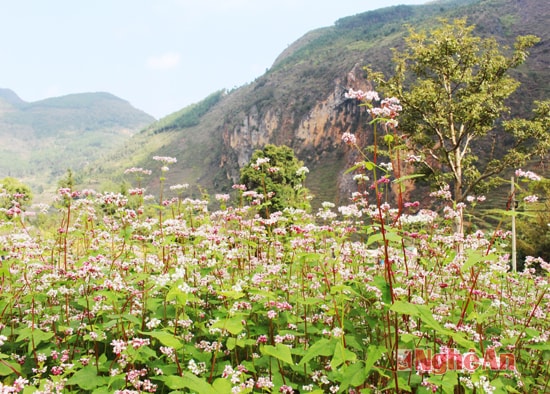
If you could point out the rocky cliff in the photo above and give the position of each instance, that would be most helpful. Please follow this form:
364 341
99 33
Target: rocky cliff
315 137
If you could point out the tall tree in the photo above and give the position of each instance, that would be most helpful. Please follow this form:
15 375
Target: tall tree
453 88
279 176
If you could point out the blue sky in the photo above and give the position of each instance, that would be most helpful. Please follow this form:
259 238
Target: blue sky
160 55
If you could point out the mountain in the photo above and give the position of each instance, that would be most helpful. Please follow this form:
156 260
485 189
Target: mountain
300 102
40 140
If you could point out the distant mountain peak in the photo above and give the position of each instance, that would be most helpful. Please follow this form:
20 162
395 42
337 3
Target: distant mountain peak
11 97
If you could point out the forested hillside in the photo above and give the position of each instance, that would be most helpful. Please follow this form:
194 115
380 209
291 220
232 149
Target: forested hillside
40 141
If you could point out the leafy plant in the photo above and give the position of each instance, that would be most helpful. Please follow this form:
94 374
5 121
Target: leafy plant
276 174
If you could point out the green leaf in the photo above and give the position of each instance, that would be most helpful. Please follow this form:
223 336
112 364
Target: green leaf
354 375
7 368
383 286
374 353
222 385
37 334
407 177
406 338
323 347
189 381
280 351
232 294
427 318
166 339
403 385
389 236
363 164
474 257
233 325
87 379
341 355
447 381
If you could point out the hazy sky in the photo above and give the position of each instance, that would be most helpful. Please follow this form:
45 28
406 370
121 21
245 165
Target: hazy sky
160 55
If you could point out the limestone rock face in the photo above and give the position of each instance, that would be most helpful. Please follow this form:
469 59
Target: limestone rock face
314 136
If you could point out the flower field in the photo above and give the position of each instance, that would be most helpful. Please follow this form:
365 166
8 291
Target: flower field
137 294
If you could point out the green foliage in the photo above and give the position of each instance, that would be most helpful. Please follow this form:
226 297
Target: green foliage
40 140
532 224
276 174
68 181
189 116
124 293
453 86
171 298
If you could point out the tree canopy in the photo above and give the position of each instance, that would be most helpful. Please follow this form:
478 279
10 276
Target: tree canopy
453 87
276 174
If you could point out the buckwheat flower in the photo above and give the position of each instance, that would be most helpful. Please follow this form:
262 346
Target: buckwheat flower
179 187
271 314
360 95
165 159
20 384
388 166
239 187
222 197
264 383
227 371
530 199
284 389
349 139
139 342
391 105
135 170
443 193
118 346
195 368
3 338
260 161
413 159
158 371
136 191
337 332
302 171
527 174
360 178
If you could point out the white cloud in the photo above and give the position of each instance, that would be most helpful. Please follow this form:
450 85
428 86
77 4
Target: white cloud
164 62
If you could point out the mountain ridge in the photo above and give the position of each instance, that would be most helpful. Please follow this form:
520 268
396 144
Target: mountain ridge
299 101
41 140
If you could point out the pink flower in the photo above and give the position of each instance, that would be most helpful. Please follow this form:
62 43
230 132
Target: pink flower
527 174
370 95
165 159
530 199
349 138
